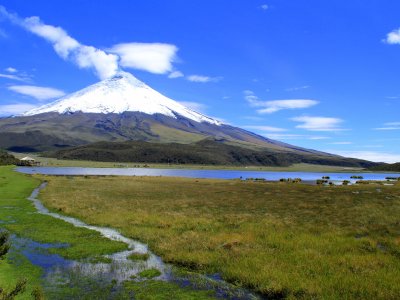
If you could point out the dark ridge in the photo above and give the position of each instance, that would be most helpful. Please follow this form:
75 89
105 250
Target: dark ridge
386 167
205 152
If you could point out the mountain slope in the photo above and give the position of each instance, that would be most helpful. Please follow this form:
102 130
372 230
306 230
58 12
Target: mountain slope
205 152
122 108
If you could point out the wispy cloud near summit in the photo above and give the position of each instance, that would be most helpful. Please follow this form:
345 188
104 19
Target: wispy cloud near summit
151 57
318 123
68 48
268 107
37 92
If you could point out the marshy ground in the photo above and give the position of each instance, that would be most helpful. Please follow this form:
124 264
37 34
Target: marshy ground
281 239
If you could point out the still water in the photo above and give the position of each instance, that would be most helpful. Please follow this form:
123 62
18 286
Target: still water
216 174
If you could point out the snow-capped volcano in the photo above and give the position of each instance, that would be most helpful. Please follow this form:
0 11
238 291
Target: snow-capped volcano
120 93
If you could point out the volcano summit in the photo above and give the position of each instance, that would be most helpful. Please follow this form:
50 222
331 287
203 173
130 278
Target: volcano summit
124 109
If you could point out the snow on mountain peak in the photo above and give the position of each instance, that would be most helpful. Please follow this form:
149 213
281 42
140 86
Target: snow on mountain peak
117 94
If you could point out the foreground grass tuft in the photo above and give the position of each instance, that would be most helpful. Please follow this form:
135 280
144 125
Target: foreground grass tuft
161 290
149 273
138 256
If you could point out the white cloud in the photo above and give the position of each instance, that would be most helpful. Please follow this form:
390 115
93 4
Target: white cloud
196 106
390 126
393 37
291 136
319 138
68 48
298 88
341 143
38 92
268 107
203 79
175 74
318 123
264 128
264 6
15 109
393 124
152 57
13 77
369 155
11 70
157 58
278 136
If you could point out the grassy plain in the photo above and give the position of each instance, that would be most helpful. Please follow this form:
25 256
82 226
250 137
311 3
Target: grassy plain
302 167
283 240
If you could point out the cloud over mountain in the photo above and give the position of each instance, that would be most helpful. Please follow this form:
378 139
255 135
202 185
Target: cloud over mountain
152 57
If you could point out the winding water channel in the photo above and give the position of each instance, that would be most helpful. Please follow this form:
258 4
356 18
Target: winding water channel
121 268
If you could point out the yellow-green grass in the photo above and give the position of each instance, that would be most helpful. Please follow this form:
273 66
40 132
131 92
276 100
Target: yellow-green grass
301 167
277 238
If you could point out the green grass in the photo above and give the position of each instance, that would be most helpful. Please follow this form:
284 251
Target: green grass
26 222
19 217
138 256
18 268
149 273
277 238
161 290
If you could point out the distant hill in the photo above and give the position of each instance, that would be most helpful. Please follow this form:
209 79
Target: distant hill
386 167
207 151
6 158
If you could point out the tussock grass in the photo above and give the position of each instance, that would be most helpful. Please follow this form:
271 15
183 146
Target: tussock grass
149 273
280 239
161 290
138 256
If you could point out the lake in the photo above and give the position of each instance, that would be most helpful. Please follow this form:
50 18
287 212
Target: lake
214 174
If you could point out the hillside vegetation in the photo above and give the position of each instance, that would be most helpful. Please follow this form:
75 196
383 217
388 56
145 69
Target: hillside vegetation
6 158
205 152
387 167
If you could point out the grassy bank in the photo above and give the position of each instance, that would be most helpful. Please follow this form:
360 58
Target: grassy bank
18 216
280 239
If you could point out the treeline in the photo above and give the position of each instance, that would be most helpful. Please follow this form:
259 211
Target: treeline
387 167
6 158
205 152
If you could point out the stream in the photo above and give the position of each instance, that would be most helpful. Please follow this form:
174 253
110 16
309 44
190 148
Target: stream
119 267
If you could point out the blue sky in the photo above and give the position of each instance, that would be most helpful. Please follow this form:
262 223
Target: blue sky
317 74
